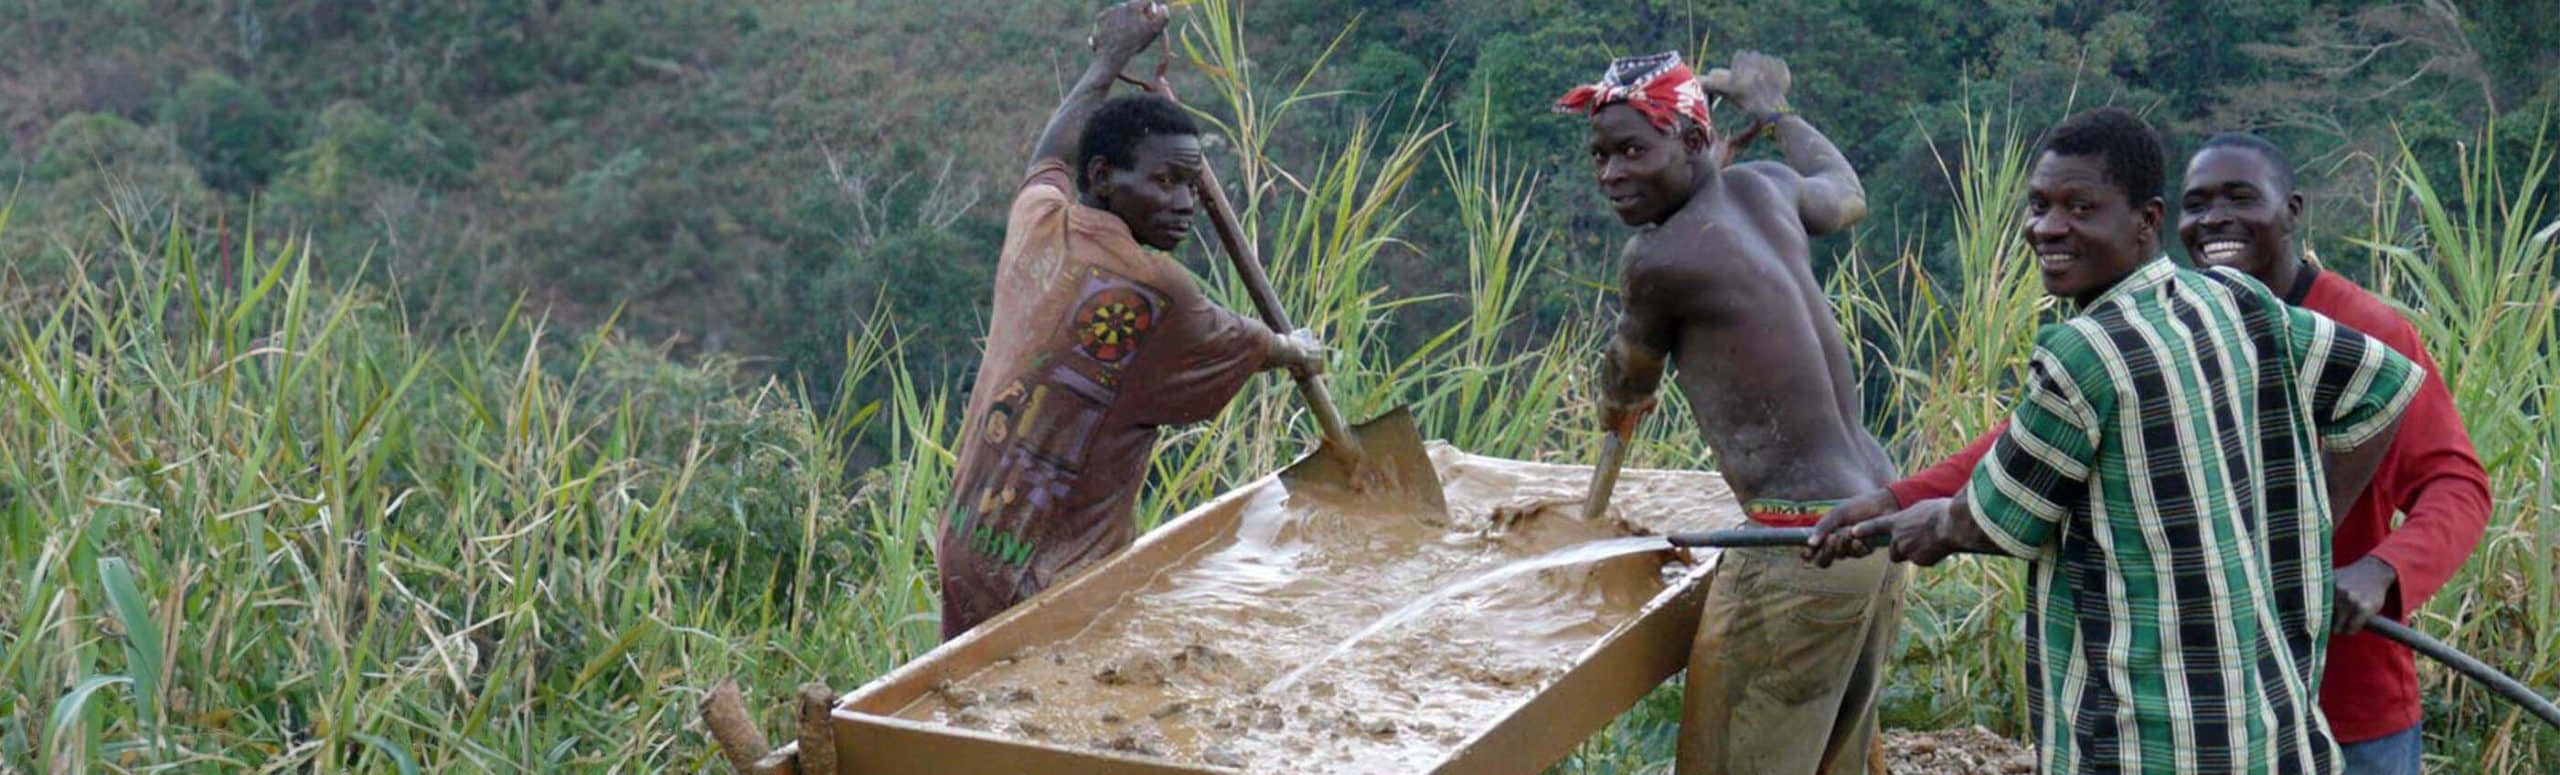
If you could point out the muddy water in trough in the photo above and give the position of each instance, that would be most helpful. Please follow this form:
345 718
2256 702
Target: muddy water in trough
1188 666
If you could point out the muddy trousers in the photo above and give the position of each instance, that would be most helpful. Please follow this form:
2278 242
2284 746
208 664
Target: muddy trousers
1787 664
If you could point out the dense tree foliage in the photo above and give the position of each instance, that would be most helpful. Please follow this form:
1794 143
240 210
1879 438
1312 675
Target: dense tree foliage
755 179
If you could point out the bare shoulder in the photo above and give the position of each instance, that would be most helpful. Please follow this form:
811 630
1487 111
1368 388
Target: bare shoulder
1761 179
1673 267
1670 253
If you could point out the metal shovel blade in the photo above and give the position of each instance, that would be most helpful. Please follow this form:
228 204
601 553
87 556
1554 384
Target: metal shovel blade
1388 464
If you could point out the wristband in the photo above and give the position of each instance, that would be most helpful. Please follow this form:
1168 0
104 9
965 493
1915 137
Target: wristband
1768 122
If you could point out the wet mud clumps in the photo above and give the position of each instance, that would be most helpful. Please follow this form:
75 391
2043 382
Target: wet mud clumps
1963 751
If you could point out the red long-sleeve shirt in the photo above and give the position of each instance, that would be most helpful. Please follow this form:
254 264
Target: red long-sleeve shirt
2369 687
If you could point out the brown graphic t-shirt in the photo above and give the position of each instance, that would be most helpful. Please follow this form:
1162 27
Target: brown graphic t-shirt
1095 344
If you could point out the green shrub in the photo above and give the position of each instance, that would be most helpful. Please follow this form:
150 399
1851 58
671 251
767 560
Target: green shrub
235 136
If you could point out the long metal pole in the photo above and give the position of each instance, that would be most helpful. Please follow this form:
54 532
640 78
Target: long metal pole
2504 685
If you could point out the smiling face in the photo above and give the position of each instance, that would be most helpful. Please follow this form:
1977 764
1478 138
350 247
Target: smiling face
1153 195
2238 212
1647 173
2085 232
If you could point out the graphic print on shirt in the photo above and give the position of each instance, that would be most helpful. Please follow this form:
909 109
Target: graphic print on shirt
1109 323
1112 316
1041 426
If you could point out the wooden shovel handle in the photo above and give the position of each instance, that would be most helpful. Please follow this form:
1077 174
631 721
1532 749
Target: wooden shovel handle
1604 477
1248 263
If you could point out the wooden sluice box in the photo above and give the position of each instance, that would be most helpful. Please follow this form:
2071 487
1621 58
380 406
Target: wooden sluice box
1163 659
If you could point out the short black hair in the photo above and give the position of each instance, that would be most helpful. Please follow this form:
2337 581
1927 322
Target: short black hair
2245 141
1116 128
2130 150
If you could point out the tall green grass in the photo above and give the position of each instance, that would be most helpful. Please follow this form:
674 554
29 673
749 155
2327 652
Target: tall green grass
2473 263
268 526
1953 345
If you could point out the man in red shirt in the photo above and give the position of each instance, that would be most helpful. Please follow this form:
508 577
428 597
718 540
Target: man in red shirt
2239 210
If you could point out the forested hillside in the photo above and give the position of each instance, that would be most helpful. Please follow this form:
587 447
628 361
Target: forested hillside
752 179
386 385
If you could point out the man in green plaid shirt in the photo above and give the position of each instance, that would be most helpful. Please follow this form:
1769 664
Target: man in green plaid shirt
2168 475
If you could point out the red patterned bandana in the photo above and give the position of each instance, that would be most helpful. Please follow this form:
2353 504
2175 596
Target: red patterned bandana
1658 86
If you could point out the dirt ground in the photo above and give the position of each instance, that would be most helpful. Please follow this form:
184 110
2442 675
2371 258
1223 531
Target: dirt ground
1963 751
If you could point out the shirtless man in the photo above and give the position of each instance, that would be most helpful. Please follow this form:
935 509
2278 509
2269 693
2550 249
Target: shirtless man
1788 658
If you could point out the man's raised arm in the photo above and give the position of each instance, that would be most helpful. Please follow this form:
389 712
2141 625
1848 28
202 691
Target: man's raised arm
1828 195
1119 33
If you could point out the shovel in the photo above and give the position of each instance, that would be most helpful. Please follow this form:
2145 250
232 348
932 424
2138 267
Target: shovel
1604 477
1379 458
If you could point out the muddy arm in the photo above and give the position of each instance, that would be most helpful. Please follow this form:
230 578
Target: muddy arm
1827 192
1119 33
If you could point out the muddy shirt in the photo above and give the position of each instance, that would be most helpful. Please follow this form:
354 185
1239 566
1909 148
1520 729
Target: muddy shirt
1095 344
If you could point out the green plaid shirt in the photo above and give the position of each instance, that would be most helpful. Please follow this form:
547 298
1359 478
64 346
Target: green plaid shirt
2163 475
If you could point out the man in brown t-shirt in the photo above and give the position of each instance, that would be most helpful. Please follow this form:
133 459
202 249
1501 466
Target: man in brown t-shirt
1096 343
